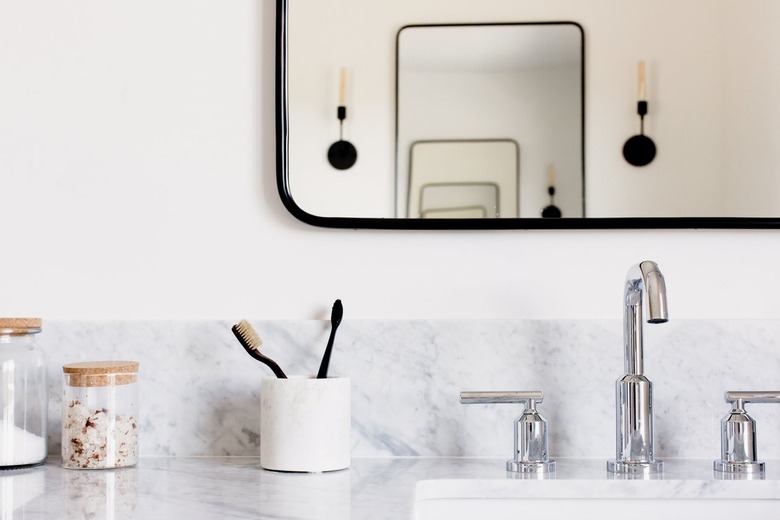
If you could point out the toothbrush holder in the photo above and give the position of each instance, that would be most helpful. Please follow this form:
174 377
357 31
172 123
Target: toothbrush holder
305 424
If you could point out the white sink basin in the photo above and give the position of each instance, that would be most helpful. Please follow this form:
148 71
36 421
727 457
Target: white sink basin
601 499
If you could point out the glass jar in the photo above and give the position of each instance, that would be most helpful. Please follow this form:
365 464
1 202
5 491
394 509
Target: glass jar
23 394
100 414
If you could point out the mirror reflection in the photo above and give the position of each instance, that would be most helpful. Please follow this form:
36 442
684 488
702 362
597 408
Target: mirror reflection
498 104
463 179
713 113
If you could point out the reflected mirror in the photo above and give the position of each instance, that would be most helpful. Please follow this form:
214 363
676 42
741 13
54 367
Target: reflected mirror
462 179
710 86
495 103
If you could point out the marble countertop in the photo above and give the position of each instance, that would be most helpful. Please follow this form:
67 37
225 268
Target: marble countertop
377 488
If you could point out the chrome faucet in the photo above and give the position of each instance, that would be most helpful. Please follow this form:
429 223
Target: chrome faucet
634 392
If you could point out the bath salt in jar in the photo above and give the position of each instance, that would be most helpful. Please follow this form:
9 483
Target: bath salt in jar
23 394
100 414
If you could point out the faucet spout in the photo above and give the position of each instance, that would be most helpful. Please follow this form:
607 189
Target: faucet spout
642 279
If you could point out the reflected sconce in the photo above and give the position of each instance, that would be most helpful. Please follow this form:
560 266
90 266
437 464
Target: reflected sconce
639 150
551 211
342 155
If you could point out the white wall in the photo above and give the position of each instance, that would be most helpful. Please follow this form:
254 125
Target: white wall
753 119
137 181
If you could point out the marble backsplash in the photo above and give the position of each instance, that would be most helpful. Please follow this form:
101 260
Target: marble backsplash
200 390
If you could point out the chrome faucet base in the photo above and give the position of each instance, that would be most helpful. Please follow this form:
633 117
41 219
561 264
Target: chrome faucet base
530 467
750 468
725 470
635 468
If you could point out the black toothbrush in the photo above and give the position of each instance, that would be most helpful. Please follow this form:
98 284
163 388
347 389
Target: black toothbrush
250 340
335 320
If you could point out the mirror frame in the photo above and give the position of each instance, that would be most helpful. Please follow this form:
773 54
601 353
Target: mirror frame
283 183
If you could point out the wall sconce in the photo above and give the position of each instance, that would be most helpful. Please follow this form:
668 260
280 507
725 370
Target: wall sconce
551 211
342 155
639 150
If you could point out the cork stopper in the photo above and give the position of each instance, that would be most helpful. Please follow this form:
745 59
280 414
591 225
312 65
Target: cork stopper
100 373
20 325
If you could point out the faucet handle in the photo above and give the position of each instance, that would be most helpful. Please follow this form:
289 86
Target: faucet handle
738 453
531 455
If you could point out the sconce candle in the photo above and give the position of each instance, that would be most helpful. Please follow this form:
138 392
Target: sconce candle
343 87
342 154
642 92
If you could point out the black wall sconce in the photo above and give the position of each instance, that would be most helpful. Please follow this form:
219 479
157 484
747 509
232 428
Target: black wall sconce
551 211
640 150
342 154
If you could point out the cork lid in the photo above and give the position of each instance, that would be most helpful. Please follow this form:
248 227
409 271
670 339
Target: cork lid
100 373
20 325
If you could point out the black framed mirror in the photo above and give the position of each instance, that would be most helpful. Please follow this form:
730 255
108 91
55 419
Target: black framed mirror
710 90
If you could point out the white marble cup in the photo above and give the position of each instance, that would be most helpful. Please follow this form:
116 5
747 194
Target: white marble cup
305 424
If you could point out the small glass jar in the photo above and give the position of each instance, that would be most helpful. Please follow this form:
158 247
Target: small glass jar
23 395
100 414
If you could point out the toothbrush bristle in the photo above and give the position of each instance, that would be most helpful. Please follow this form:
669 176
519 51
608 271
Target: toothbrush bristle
248 334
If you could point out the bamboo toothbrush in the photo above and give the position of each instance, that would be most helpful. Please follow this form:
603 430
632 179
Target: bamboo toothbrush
335 320
250 340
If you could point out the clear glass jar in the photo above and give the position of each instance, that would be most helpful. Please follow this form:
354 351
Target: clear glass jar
100 414
23 394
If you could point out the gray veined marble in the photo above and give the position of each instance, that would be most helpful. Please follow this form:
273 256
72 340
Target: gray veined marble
200 391
205 488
